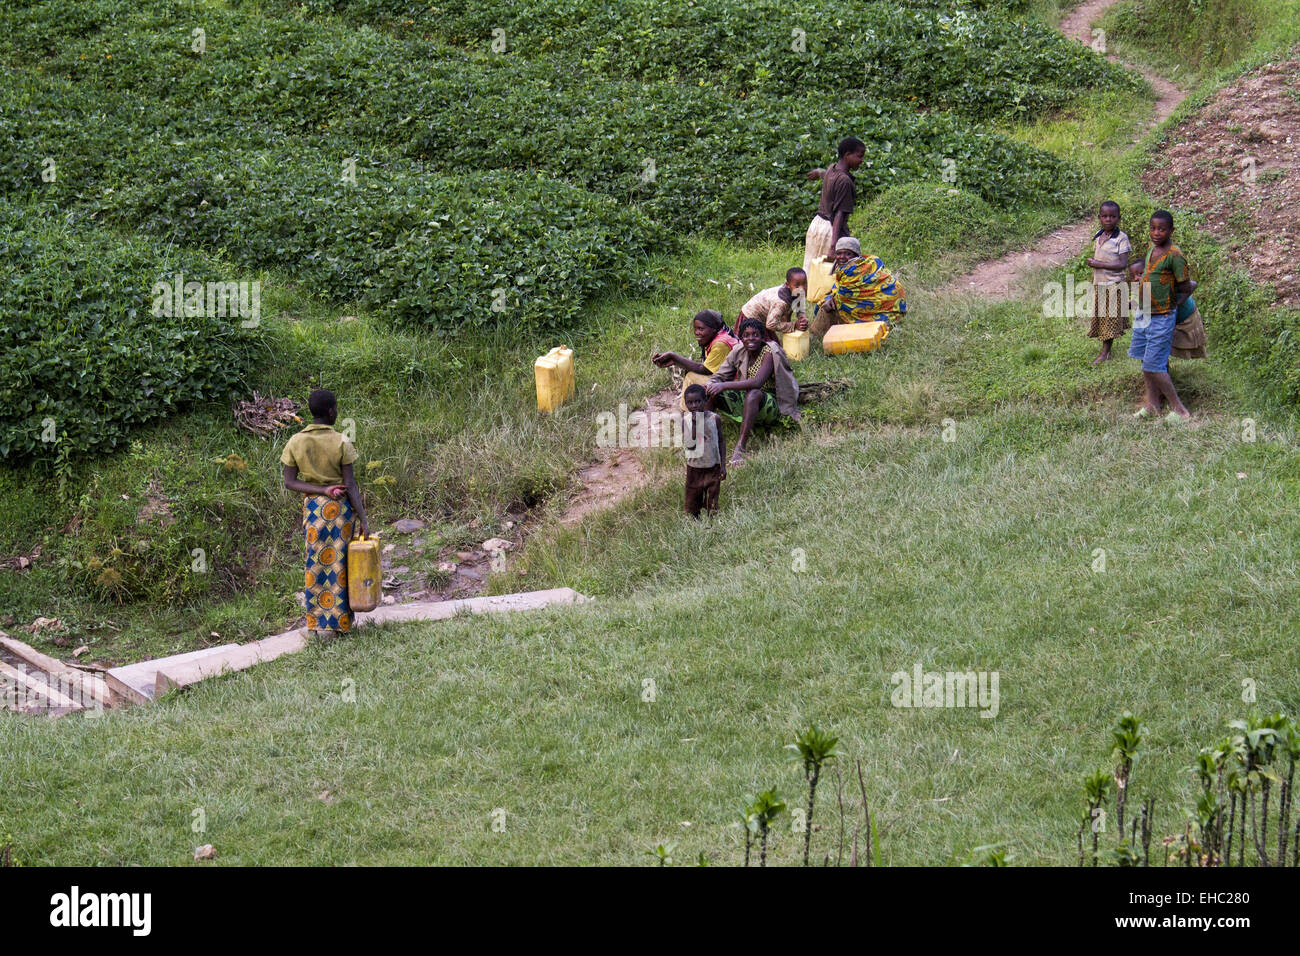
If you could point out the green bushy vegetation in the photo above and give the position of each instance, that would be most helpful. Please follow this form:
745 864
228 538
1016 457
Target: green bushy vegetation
918 222
472 176
941 57
1204 36
82 358
354 90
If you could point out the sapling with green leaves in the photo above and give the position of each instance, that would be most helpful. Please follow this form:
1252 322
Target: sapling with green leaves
1096 788
1288 745
815 749
764 811
1126 738
748 826
663 852
1255 740
994 854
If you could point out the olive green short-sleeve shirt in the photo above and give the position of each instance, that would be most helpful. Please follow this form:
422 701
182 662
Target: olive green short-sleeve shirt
319 453
1163 276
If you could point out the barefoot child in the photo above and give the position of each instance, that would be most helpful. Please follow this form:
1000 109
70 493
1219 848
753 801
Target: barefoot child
754 386
1165 284
706 453
1111 251
318 465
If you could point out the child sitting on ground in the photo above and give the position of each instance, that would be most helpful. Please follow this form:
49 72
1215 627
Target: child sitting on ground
782 308
706 453
1109 262
318 465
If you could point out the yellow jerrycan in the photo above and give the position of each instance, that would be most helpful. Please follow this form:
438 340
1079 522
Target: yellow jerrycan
820 282
854 337
795 345
555 382
364 576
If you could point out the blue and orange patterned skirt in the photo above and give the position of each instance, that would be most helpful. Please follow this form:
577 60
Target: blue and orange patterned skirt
327 527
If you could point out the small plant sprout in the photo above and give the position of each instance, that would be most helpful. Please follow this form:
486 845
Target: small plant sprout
663 852
763 812
749 826
1096 788
1254 741
815 749
994 854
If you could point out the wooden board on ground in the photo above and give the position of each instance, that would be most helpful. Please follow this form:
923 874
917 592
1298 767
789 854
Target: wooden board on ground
92 686
148 680
441 610
31 684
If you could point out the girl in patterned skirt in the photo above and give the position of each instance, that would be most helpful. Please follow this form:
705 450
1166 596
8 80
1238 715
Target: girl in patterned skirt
318 465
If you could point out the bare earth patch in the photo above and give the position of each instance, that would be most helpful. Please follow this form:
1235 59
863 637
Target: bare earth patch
619 472
1235 161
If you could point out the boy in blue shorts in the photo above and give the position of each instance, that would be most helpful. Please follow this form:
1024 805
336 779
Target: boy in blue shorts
1165 284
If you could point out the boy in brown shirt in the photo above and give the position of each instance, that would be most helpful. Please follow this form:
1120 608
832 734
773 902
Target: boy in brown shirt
839 193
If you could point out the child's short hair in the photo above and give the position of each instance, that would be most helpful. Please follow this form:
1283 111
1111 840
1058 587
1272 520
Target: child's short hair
320 402
851 144
696 389
1110 204
740 329
793 273
1164 215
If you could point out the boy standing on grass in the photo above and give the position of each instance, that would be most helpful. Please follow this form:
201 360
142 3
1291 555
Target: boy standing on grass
1165 284
839 193
318 465
1111 251
706 453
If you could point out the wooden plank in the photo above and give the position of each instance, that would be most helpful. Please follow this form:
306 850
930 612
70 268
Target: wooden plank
94 686
135 682
238 658
35 685
32 656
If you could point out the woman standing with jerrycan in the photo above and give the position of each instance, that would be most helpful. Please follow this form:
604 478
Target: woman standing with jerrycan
318 465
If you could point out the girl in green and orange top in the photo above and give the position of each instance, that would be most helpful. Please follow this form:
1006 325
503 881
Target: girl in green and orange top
1165 284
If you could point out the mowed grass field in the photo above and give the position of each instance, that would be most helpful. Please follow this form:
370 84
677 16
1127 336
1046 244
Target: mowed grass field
980 553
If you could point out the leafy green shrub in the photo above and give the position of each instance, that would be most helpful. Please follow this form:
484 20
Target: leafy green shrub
1206 34
942 56
82 357
916 222
434 250
455 112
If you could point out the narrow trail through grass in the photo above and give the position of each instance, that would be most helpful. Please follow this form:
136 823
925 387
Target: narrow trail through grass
1002 277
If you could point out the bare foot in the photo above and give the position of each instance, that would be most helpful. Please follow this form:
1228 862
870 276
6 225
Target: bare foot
1103 357
737 459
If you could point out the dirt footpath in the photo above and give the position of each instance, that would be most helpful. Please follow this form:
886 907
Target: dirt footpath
1235 161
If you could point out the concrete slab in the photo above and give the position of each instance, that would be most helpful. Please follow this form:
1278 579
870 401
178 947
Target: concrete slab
136 682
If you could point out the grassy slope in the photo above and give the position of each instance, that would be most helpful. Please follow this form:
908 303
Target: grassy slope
972 554
975 553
